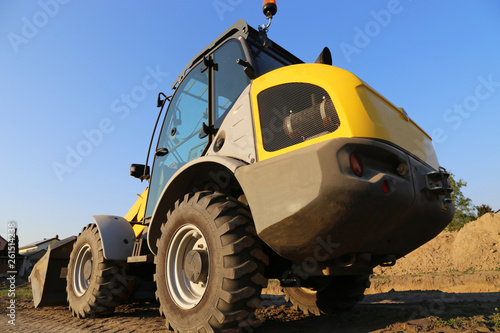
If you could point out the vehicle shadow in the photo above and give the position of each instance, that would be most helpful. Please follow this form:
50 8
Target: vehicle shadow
379 311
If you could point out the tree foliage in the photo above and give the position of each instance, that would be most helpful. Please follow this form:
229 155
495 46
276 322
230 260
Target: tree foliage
483 209
464 209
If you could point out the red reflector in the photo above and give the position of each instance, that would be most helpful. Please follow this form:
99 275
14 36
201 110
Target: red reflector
385 187
356 165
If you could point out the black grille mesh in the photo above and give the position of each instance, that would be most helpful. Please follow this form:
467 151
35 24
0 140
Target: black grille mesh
295 112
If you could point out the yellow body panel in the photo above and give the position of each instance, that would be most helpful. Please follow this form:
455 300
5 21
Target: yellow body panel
136 213
138 229
362 111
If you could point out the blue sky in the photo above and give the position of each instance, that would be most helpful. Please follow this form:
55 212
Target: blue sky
84 76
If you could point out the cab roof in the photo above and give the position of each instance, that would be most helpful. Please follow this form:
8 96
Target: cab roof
246 32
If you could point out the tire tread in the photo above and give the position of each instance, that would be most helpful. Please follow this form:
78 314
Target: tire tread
110 281
243 259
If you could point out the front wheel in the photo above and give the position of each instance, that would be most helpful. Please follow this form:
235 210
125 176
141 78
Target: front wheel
94 285
209 266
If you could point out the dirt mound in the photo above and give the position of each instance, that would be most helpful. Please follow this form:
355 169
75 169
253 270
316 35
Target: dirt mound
476 247
477 244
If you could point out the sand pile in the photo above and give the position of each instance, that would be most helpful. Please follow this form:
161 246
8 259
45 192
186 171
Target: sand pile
476 247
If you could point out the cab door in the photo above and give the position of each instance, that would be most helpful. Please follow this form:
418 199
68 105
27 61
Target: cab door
179 141
195 112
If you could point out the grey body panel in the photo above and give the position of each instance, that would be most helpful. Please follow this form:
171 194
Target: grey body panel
117 236
310 197
237 132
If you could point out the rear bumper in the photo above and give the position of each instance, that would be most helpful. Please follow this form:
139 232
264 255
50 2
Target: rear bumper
309 205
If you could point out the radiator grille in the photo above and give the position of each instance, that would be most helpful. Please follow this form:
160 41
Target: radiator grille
293 113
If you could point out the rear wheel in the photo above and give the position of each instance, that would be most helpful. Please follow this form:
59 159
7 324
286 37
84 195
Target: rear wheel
327 295
209 266
94 285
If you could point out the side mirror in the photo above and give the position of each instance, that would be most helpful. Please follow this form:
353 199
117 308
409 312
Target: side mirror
137 171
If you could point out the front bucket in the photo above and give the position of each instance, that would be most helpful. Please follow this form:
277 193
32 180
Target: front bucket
48 278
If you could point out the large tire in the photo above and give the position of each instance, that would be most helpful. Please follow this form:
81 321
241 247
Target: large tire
329 294
95 285
209 266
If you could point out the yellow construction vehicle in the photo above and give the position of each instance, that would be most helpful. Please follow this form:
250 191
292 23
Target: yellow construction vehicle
265 167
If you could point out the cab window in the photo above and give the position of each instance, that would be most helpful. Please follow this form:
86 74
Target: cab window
230 79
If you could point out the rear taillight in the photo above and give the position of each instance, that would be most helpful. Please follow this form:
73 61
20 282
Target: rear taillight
385 187
356 165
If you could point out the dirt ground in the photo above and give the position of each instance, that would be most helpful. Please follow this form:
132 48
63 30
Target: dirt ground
451 284
404 311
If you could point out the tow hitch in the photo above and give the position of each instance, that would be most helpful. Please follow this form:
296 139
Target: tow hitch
437 182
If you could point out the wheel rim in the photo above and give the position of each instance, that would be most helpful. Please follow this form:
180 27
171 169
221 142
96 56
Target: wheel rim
83 270
187 245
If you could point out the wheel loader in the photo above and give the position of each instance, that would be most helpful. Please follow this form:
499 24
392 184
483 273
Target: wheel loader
265 167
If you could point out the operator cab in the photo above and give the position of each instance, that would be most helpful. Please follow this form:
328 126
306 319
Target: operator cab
204 93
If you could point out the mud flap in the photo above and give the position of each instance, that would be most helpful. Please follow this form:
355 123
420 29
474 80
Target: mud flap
48 278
